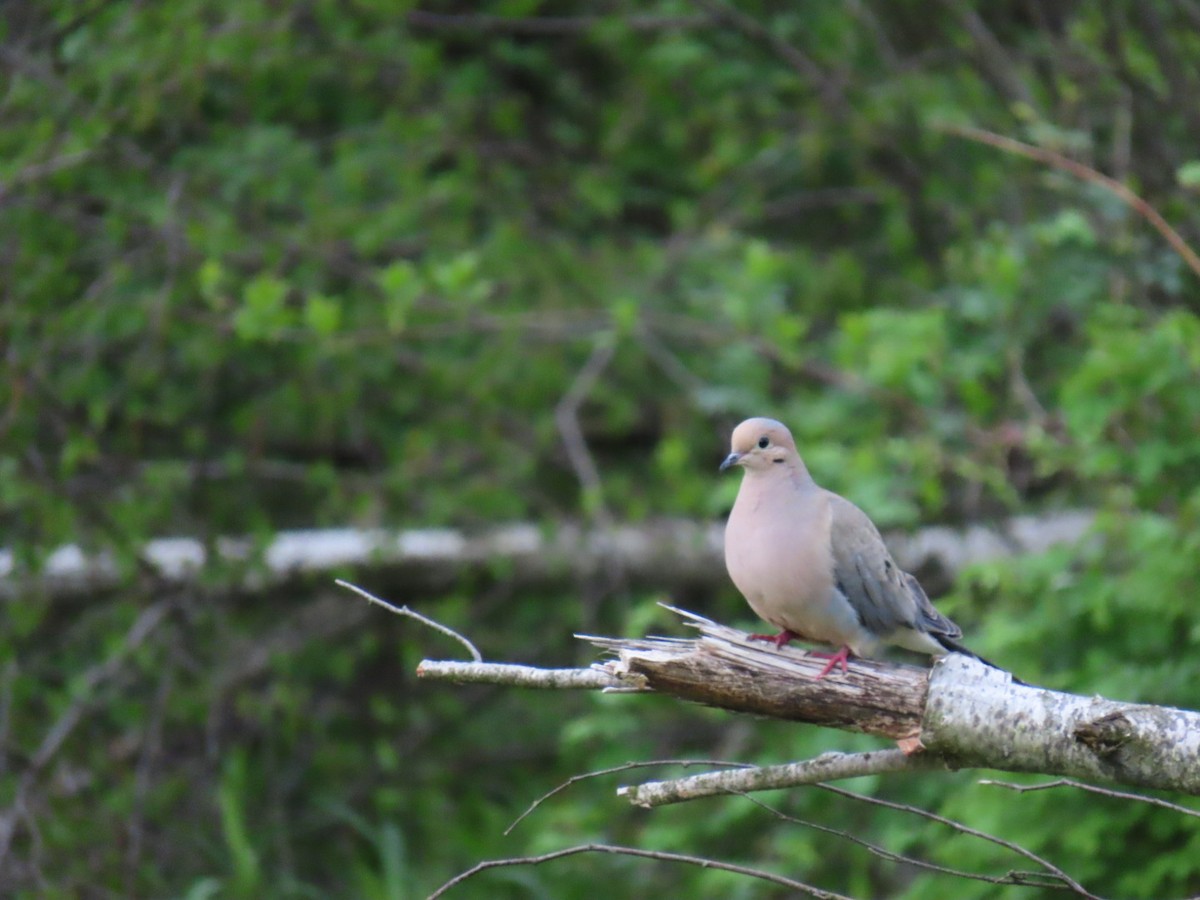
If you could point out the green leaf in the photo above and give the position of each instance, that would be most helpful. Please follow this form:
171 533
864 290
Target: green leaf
402 287
458 278
264 313
1188 175
323 315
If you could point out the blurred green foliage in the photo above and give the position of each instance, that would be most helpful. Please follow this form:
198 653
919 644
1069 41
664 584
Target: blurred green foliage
318 263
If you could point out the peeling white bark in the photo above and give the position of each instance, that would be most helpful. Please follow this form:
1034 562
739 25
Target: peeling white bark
665 553
826 767
975 716
522 676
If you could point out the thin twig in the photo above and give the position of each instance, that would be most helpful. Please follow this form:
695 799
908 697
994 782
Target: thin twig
146 622
1021 389
1087 173
659 855
56 37
994 58
148 756
966 829
830 87
1090 788
887 50
37 170
669 363
405 611
566 415
615 769
7 678
18 810
1024 879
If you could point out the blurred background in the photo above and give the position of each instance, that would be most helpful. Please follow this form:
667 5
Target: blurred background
320 264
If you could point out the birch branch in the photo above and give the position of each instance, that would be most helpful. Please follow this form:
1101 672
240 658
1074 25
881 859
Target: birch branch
959 714
519 676
826 767
668 553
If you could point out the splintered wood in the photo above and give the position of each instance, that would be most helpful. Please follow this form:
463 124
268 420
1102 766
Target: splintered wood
723 668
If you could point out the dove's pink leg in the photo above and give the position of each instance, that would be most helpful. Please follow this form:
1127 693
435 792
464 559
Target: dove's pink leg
835 660
777 639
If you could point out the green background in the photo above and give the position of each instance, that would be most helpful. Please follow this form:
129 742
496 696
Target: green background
290 265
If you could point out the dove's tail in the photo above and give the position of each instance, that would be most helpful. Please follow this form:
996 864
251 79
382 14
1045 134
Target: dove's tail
955 647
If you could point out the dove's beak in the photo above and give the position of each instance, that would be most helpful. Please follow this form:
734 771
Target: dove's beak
732 459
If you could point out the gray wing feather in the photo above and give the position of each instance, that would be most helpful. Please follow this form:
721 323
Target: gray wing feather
886 599
931 620
880 608
875 586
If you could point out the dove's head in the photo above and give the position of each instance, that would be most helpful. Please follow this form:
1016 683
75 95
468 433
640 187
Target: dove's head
762 445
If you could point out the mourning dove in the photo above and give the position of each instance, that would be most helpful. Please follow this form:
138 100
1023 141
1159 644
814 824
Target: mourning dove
813 565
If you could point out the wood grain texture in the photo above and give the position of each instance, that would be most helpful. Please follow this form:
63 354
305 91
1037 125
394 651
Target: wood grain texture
722 668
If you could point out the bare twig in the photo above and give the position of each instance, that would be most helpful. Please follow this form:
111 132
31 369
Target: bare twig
146 622
967 830
1020 387
66 723
996 62
625 767
151 749
660 855
566 415
1191 10
424 620
829 87
669 363
826 767
6 679
887 50
1087 173
1091 788
34 171
1024 879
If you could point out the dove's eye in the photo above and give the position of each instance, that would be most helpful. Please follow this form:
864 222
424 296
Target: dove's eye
764 442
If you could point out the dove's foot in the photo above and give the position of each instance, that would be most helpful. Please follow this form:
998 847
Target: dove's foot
835 659
777 639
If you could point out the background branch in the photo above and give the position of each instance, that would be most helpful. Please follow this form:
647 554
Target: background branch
666 553
1087 173
17 810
